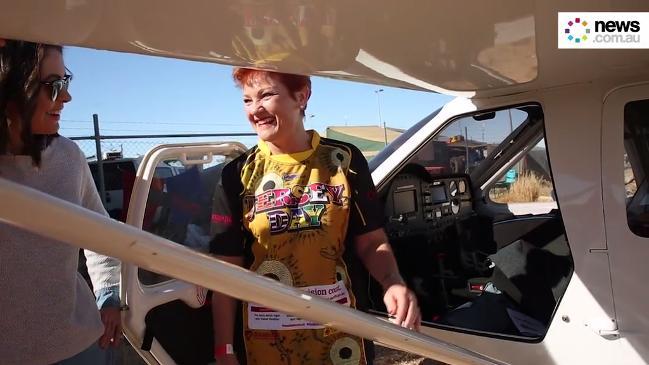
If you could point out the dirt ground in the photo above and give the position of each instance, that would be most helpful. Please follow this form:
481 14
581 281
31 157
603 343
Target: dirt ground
384 356
388 356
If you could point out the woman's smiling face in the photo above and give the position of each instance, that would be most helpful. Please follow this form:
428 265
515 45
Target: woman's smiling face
47 113
272 109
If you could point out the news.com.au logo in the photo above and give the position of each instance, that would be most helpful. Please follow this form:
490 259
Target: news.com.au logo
603 30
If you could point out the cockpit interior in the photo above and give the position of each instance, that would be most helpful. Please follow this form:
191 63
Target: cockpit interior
469 270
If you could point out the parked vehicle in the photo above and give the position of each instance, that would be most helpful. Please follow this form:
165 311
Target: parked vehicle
119 175
547 270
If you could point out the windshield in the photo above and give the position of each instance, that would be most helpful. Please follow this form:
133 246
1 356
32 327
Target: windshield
394 145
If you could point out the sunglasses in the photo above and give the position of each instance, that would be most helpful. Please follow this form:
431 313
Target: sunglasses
58 85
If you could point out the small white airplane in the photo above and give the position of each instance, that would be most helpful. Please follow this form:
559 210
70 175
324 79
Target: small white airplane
557 278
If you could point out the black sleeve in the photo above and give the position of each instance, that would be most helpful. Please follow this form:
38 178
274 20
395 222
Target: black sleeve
366 210
226 227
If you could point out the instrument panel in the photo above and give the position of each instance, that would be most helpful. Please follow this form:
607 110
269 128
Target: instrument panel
419 205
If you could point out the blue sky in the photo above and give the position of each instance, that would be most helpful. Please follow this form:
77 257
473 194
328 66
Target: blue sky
134 94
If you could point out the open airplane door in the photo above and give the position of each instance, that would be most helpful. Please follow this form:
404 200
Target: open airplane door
167 320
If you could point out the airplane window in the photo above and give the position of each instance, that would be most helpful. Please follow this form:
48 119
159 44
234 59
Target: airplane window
630 186
472 267
394 145
636 165
178 208
466 143
163 172
527 181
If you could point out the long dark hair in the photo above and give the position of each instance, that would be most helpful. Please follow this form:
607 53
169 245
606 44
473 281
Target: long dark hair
20 83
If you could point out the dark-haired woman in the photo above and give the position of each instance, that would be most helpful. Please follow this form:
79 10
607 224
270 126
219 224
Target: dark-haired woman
298 208
49 315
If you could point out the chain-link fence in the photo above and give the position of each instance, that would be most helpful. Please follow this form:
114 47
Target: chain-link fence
111 158
136 146
98 146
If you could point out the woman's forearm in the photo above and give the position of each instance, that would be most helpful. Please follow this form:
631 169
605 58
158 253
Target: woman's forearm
223 313
224 309
383 267
376 254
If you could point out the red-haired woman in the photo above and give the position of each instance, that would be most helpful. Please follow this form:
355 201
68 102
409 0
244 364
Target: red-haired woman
298 208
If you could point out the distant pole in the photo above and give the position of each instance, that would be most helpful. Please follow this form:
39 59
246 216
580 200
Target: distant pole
381 122
100 160
466 148
511 127
385 133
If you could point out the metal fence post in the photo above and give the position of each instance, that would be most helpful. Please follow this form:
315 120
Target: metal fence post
100 160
